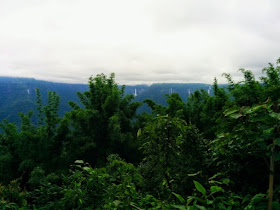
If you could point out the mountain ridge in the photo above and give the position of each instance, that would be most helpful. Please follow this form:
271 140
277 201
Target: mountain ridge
18 94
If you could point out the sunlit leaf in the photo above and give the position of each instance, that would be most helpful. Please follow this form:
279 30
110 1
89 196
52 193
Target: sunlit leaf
235 116
139 133
257 107
231 111
247 110
87 168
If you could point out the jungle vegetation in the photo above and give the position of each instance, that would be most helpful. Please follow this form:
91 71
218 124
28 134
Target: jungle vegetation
219 151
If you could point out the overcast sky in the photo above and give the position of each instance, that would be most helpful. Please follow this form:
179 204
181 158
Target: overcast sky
141 41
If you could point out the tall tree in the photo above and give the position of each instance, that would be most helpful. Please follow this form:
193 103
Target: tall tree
104 124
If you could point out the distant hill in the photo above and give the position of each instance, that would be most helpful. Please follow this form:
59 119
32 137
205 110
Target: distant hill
19 94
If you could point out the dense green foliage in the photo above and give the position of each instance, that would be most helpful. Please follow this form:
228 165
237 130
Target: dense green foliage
215 151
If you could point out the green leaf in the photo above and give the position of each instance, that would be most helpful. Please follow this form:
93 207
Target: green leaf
79 161
247 110
88 169
181 207
215 189
221 206
182 200
139 133
199 187
226 181
231 111
216 175
194 174
268 131
77 174
116 202
275 115
215 182
221 135
235 116
191 198
200 207
257 107
277 142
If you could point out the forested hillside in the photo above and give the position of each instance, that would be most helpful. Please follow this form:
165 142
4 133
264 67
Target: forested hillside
213 151
19 94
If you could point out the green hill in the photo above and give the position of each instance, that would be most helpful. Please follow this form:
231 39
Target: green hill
19 94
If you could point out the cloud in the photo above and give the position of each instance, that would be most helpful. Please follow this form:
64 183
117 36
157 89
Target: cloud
141 41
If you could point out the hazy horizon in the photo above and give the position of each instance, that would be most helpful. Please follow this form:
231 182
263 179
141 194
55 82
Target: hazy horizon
85 83
142 42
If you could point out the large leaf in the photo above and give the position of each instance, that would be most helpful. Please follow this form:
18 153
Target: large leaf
199 187
231 111
182 200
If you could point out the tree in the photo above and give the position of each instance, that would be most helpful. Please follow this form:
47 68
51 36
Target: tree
171 150
104 124
204 110
246 92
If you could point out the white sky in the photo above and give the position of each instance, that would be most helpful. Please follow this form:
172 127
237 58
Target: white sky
141 41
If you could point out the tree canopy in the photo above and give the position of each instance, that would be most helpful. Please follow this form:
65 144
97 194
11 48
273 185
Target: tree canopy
219 151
